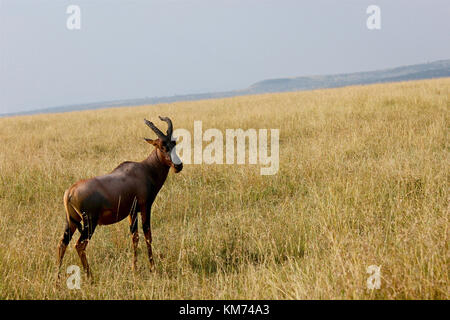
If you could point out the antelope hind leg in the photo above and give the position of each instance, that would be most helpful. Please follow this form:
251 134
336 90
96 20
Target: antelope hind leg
62 246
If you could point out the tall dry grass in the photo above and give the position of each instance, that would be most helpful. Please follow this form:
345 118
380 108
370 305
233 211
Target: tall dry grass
363 180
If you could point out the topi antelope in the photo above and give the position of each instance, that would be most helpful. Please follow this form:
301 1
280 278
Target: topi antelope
128 189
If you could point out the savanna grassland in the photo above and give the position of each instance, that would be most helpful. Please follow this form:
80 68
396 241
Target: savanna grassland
363 180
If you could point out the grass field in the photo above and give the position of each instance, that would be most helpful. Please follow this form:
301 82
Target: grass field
363 180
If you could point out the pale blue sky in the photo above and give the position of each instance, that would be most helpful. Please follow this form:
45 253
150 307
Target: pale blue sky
141 48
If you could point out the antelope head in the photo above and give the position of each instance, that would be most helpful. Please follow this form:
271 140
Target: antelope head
166 144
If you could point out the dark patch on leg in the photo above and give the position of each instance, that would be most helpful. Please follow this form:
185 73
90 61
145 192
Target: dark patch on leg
76 223
134 225
67 236
138 208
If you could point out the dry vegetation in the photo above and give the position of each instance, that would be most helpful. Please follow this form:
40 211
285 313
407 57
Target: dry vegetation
363 180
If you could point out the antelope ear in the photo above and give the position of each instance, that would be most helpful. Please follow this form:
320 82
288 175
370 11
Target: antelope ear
152 142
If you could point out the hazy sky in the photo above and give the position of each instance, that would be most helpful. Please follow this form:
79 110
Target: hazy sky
141 48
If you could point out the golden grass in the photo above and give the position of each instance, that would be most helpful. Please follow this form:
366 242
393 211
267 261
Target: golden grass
363 180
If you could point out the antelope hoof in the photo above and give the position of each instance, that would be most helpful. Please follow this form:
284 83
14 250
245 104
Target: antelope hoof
152 265
90 278
58 280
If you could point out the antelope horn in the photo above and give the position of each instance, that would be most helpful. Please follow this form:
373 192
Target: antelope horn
169 128
155 129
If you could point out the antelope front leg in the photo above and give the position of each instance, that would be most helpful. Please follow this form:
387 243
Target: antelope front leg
146 214
134 236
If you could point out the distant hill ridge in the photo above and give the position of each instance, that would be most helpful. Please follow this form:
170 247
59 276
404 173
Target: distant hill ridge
437 69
